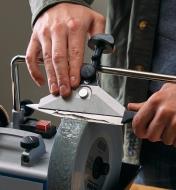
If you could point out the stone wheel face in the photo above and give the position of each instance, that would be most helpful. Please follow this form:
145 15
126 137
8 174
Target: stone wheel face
85 156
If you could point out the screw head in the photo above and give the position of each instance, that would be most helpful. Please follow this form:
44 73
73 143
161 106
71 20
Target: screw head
83 93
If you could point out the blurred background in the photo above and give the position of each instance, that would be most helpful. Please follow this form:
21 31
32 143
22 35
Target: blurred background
15 31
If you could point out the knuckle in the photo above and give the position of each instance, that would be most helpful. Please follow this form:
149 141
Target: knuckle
28 58
102 20
164 111
34 36
57 26
58 56
75 52
47 57
74 24
154 100
62 79
44 31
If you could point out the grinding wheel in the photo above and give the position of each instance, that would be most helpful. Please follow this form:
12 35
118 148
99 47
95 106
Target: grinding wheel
85 156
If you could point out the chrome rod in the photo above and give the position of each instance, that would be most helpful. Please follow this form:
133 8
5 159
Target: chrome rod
15 80
137 74
116 71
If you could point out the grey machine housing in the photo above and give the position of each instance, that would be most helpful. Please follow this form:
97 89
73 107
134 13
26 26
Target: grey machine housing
64 162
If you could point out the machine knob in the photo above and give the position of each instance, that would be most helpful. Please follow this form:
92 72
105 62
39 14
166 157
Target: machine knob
99 168
100 43
103 41
27 111
29 142
88 72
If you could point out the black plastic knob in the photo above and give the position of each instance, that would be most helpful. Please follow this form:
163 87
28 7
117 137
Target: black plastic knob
29 142
103 41
100 43
27 111
88 72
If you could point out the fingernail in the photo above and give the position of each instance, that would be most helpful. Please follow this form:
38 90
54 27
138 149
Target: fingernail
54 88
72 80
64 90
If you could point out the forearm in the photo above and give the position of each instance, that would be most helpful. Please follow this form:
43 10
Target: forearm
39 6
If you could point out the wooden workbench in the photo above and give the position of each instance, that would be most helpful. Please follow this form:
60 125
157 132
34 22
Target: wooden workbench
143 187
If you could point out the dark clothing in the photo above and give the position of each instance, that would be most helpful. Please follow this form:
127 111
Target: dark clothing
159 160
165 46
158 165
39 6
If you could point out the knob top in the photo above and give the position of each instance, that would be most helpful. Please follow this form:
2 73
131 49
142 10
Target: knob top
27 111
29 142
103 41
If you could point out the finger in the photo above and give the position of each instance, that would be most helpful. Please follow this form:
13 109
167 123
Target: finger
98 25
156 128
32 60
47 58
135 106
169 134
76 42
142 119
60 58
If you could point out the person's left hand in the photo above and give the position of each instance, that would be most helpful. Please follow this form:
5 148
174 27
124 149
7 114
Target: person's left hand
156 118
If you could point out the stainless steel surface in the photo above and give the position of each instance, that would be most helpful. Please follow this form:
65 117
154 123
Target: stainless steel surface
93 118
137 74
98 102
15 80
116 71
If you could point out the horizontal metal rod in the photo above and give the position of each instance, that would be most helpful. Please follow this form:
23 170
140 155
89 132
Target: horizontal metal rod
137 74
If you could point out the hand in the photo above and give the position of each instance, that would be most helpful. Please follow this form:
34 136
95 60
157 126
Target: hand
60 34
156 118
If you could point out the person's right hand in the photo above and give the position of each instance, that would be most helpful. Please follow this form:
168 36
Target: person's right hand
155 119
60 34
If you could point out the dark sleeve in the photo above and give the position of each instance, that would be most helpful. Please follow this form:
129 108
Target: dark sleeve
39 6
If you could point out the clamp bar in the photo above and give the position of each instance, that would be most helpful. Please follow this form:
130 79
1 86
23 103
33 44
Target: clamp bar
137 74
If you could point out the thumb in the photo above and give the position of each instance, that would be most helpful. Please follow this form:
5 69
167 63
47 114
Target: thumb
135 106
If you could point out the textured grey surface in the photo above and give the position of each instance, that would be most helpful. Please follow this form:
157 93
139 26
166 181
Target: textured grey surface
63 154
71 149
